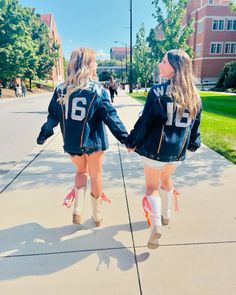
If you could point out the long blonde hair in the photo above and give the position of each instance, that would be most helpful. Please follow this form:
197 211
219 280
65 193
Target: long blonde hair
182 87
81 69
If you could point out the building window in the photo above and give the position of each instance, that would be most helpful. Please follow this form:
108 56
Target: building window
230 47
199 27
198 50
218 25
210 1
216 48
231 25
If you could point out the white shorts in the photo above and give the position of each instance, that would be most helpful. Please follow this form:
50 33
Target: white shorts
158 164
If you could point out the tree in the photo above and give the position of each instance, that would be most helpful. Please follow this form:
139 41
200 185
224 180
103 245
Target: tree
172 34
232 6
65 65
227 77
25 47
17 47
143 65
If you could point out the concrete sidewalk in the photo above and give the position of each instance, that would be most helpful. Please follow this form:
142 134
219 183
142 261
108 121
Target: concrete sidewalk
41 252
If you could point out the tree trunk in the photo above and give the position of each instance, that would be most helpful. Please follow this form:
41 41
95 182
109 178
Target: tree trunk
30 81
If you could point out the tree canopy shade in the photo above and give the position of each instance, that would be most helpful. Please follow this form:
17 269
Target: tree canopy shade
172 34
25 47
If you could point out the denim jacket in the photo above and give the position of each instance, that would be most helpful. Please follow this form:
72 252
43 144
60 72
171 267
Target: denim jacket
82 120
161 133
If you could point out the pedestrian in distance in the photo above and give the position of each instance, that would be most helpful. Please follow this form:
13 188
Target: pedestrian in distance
112 86
168 126
18 90
23 87
82 106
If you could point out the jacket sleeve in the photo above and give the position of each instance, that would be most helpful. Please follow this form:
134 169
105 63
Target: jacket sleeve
52 120
195 140
111 119
150 114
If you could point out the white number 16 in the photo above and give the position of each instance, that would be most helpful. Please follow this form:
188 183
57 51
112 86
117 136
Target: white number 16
178 123
77 113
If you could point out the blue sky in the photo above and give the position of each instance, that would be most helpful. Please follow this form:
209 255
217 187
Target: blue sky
95 23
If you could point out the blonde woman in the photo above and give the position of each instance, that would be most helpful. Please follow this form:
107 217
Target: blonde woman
81 106
168 126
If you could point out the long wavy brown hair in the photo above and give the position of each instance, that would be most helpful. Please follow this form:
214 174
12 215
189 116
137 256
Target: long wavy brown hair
182 87
81 69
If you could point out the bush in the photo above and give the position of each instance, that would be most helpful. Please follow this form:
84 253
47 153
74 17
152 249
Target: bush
227 77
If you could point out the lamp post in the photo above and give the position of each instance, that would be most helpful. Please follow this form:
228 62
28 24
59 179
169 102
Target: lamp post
131 62
126 71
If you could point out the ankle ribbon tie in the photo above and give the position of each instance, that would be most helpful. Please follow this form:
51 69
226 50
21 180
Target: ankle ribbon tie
176 194
69 198
105 198
147 209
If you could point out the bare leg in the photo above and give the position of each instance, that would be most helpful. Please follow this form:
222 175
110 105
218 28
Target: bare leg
95 172
166 181
80 163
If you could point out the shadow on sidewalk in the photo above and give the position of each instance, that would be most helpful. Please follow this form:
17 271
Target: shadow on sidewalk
53 167
30 249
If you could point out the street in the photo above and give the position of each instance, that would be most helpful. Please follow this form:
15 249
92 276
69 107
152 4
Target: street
21 120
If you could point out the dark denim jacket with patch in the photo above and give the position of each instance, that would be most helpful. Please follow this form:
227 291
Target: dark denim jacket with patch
82 120
161 133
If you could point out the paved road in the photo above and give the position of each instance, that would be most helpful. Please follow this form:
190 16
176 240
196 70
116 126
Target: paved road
20 121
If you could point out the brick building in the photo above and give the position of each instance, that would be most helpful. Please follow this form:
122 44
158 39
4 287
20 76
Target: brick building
119 53
214 39
57 72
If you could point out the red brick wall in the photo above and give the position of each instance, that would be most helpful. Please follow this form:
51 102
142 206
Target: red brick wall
201 11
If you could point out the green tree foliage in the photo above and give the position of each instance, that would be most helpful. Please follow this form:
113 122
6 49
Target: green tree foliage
25 47
65 65
227 77
232 6
172 34
143 65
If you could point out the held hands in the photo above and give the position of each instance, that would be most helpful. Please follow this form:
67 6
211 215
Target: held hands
130 150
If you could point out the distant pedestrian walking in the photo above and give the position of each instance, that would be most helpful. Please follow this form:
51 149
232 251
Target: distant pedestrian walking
112 86
168 126
18 90
23 87
82 106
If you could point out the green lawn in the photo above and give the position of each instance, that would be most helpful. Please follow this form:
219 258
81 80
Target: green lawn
218 125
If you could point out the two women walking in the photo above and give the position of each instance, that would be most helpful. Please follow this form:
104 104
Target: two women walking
168 126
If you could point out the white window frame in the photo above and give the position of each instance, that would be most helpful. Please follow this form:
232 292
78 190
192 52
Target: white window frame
199 27
216 43
218 24
198 49
230 46
226 24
